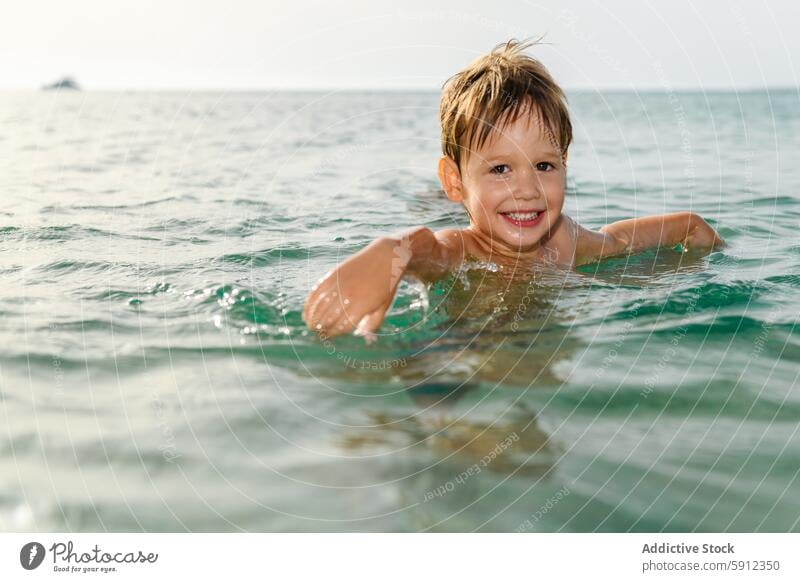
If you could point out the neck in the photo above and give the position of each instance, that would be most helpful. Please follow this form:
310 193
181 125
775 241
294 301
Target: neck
513 257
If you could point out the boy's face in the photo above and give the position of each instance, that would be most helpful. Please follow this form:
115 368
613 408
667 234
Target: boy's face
513 186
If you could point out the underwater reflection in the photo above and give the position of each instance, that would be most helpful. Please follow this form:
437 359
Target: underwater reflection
463 466
504 446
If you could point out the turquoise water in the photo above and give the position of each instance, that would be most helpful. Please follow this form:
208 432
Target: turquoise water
156 250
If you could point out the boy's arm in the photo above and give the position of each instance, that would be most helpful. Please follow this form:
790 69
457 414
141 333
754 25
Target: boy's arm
639 234
356 294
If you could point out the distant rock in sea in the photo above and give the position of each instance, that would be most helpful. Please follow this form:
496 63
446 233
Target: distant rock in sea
65 83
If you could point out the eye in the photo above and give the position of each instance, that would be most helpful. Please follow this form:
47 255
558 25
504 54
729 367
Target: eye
544 166
500 169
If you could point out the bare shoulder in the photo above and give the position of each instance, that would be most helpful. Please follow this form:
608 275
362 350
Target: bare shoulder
457 242
437 254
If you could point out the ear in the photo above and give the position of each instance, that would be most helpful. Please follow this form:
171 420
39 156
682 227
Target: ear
450 177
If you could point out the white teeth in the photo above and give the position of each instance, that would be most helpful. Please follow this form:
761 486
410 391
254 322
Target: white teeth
522 215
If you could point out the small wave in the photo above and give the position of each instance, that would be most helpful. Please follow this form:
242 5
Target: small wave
710 399
123 294
68 232
275 255
185 197
707 295
171 224
90 325
770 201
67 266
790 280
248 306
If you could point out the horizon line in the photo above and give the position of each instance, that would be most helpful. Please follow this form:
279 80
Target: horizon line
353 89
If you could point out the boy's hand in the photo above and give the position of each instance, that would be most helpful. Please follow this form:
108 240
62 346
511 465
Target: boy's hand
356 294
701 235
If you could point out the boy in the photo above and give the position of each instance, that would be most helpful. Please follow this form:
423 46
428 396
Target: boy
505 135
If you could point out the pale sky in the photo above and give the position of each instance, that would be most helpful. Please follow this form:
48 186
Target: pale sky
267 44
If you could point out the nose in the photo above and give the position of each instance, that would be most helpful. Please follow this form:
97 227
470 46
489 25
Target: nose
528 185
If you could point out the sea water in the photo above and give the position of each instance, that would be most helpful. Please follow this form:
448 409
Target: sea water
155 375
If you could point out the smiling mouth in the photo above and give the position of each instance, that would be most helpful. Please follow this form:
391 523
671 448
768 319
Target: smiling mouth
523 218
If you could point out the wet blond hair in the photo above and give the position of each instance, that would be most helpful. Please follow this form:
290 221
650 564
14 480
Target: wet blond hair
495 90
